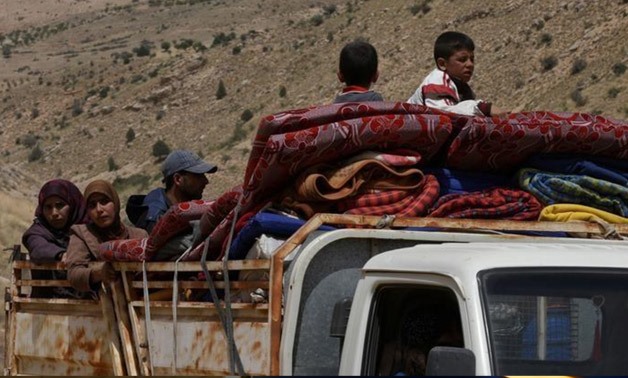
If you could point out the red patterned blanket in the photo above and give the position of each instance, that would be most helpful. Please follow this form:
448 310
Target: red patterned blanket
290 142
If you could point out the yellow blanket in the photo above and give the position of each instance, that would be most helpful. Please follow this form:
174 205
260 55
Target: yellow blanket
566 212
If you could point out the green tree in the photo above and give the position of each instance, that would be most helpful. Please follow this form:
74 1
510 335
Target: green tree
160 149
35 154
130 135
222 91
112 164
246 115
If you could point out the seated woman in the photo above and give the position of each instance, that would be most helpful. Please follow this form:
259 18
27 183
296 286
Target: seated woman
103 210
60 205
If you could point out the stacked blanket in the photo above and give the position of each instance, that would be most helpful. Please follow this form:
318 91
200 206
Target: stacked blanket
404 159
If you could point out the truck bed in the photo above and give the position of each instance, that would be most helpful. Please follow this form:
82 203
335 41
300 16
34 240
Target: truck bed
182 329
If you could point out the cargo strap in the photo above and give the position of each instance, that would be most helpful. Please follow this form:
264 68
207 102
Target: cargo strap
233 359
234 356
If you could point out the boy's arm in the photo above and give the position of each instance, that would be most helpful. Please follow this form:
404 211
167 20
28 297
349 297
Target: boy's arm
468 107
442 97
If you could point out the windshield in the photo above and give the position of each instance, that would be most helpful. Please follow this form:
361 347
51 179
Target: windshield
557 321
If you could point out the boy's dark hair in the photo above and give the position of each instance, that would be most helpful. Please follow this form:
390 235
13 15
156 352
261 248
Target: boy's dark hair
358 63
449 42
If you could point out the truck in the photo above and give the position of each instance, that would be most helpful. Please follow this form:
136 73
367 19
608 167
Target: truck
521 304
360 294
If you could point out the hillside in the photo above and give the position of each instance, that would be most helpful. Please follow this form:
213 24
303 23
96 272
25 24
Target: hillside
88 87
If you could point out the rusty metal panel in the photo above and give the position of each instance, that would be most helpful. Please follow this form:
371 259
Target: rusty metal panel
202 347
58 344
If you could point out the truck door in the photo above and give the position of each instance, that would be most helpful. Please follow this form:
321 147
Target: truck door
405 322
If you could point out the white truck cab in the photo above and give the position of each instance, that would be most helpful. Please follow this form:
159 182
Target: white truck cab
490 309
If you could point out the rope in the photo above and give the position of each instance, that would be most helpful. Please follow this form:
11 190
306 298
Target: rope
608 230
147 315
175 301
385 221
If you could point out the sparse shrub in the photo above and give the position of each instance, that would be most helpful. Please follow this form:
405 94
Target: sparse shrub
160 114
236 50
77 107
578 66
165 45
137 78
28 140
112 164
538 24
423 7
125 56
222 39
184 44
545 39
282 91
130 135
198 46
619 69
34 113
104 92
222 91
330 37
613 92
35 154
18 114
62 122
160 149
239 133
6 51
329 9
316 20
246 115
549 63
578 98
143 49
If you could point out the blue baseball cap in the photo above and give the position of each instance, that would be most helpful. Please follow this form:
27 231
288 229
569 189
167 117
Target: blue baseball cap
184 160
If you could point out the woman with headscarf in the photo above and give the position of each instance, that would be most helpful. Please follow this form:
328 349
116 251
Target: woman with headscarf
103 210
60 205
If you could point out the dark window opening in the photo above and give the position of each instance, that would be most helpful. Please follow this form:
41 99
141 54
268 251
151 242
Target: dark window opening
406 322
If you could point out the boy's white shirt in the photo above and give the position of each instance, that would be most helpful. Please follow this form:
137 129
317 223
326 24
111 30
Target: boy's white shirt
439 77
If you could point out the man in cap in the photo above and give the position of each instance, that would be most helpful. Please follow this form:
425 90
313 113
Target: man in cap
184 176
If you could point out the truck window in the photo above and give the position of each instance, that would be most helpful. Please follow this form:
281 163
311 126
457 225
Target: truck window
405 323
549 322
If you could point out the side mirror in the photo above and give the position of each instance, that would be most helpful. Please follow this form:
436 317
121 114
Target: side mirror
450 361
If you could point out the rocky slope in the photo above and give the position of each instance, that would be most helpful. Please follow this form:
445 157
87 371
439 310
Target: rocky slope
89 87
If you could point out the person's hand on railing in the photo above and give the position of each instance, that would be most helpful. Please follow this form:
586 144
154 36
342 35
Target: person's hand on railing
103 273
